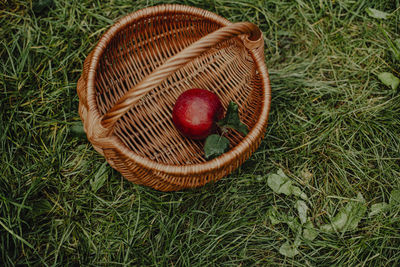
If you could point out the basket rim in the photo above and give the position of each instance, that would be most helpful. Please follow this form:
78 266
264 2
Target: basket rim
179 170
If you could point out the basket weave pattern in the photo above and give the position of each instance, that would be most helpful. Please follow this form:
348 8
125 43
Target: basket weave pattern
132 78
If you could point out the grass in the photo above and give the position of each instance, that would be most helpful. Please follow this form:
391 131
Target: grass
333 128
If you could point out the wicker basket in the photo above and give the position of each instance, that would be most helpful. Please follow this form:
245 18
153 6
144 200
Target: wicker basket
132 78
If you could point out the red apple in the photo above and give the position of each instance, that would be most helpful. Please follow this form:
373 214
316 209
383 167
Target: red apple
196 112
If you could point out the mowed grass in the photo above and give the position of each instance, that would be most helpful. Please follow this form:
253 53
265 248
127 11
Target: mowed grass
333 128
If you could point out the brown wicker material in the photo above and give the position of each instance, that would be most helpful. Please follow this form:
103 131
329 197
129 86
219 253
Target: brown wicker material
132 78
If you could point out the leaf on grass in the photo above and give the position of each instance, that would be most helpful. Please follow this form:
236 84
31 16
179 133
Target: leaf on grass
273 216
378 208
389 79
215 145
375 13
297 240
281 173
347 218
394 198
293 223
275 182
302 209
99 178
306 175
281 184
309 232
298 193
286 188
288 249
232 119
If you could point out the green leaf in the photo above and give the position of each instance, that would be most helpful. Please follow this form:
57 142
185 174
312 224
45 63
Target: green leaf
347 218
394 198
389 79
99 178
297 240
378 208
273 216
281 173
377 13
309 232
281 184
302 209
275 182
276 217
215 145
298 193
232 119
288 249
286 188
292 222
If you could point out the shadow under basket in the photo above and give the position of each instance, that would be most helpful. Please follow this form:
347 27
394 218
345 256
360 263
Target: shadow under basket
133 76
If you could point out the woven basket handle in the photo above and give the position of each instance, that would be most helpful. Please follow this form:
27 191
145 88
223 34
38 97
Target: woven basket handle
173 64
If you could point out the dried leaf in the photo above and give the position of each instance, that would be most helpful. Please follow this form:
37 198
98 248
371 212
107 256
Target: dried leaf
306 175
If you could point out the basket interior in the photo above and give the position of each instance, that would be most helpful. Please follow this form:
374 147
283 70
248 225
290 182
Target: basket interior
147 129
